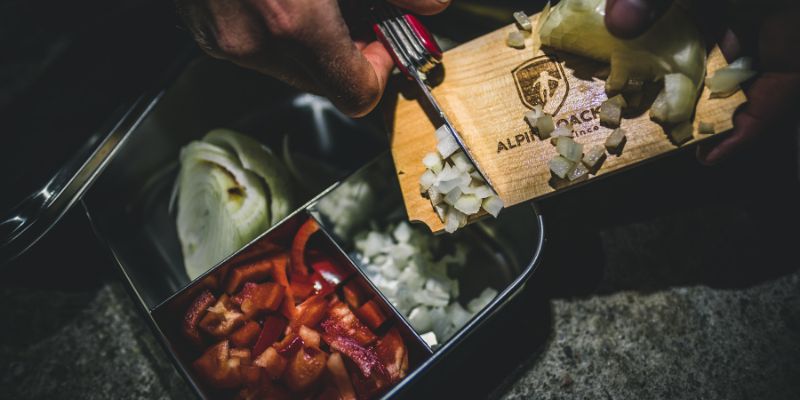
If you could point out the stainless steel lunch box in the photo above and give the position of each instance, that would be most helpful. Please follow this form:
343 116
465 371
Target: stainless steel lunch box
129 202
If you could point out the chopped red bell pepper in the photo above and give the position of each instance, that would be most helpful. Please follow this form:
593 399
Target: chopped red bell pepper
391 350
271 331
290 344
341 377
273 363
305 368
299 245
222 318
254 272
331 272
365 358
310 337
310 312
193 315
342 322
246 335
368 388
259 297
217 368
371 314
354 294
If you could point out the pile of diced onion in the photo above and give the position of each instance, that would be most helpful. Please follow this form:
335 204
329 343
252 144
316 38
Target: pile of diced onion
401 262
456 190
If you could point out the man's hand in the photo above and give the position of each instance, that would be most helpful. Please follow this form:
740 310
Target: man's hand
769 34
306 43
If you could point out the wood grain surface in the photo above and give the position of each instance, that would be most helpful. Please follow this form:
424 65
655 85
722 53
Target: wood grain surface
487 89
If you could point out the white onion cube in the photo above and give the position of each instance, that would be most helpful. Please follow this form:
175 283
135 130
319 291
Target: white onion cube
492 205
560 166
569 149
615 141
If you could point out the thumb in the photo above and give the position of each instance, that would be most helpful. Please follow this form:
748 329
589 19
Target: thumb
628 19
422 7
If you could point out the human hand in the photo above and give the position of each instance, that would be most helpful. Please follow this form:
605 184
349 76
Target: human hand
306 43
768 33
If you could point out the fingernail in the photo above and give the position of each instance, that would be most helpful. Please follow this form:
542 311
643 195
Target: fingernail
630 18
443 1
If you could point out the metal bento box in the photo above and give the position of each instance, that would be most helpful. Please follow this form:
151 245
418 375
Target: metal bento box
130 208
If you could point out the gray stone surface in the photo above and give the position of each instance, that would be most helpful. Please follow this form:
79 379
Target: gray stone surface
81 345
688 342
655 329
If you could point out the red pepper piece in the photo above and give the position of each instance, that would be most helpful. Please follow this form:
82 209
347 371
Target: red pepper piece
310 312
270 332
331 272
305 369
302 286
391 350
342 322
371 314
255 272
289 345
273 363
365 358
246 335
341 377
368 388
354 294
259 297
250 375
216 368
193 315
299 245
222 318
279 273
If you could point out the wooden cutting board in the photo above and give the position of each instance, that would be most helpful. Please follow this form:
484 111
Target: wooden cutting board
487 89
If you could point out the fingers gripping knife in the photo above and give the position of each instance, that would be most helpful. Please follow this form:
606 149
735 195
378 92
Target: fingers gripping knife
416 53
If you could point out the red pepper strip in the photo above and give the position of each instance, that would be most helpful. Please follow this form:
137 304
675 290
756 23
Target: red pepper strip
342 321
366 359
280 276
302 285
273 328
255 272
299 245
331 272
256 298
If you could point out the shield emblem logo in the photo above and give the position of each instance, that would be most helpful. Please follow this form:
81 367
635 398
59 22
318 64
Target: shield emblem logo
541 81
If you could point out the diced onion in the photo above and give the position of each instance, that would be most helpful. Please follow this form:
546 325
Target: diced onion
523 22
594 157
610 113
430 339
515 40
615 141
681 133
461 162
468 204
569 149
545 126
726 80
705 127
560 166
427 180
433 162
452 220
578 172
452 196
492 205
675 103
447 146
